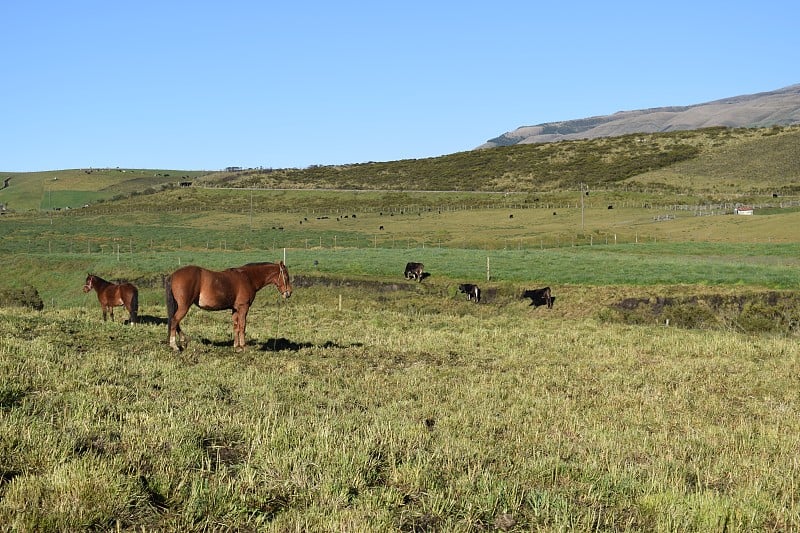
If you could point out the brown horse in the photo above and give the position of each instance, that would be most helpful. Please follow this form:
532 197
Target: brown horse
234 289
112 295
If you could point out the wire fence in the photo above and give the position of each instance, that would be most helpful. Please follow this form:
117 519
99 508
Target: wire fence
276 238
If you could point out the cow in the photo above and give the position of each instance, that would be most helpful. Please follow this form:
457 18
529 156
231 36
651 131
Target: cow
414 271
473 292
540 297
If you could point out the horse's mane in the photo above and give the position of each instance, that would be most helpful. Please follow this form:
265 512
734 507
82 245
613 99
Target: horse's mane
261 263
256 264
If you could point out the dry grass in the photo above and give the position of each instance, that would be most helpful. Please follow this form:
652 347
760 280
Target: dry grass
387 416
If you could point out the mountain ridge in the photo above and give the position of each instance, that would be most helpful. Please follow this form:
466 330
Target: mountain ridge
780 107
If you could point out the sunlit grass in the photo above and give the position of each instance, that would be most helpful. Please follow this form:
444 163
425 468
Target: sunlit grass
375 419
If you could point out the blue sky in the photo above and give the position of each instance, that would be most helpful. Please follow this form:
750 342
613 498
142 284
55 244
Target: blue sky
205 85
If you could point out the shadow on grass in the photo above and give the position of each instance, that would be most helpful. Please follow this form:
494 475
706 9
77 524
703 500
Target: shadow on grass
280 345
150 320
285 345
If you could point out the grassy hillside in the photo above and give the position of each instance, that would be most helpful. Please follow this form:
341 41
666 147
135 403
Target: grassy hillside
713 165
764 162
710 161
60 189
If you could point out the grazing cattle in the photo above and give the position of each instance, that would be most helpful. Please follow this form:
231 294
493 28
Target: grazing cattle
414 271
473 292
540 297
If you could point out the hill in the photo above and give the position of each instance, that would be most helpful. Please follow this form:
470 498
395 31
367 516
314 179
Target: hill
713 160
71 188
713 163
780 107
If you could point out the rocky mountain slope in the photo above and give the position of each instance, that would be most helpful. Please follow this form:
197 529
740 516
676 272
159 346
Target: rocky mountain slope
780 107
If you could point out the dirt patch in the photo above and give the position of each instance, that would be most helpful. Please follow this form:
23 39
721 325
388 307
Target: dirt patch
371 285
750 312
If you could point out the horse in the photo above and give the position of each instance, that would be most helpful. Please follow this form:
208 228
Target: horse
473 292
112 295
413 271
234 289
539 297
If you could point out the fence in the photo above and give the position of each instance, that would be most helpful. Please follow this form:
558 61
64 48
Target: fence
276 238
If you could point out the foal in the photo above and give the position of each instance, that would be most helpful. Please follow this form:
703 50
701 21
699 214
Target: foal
112 295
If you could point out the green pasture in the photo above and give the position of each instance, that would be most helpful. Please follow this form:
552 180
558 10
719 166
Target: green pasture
74 188
59 276
458 236
407 410
237 219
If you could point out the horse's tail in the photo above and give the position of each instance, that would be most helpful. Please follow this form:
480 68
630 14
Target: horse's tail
172 305
134 306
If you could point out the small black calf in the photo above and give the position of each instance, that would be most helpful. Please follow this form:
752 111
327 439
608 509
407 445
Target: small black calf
414 271
473 292
540 297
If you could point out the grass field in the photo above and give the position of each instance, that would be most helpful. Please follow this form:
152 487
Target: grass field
367 402
236 219
74 188
394 413
659 394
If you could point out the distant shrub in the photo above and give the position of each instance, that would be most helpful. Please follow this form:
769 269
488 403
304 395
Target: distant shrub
25 297
779 316
690 315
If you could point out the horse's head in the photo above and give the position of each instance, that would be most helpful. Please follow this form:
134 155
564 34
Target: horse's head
89 283
284 285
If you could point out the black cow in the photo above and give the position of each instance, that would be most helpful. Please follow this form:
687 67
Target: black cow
540 297
473 292
414 271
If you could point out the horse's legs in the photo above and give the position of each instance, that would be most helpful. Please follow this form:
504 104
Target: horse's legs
176 336
239 326
235 316
181 338
243 326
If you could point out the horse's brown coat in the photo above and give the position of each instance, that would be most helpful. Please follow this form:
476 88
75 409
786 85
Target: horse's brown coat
111 295
234 289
